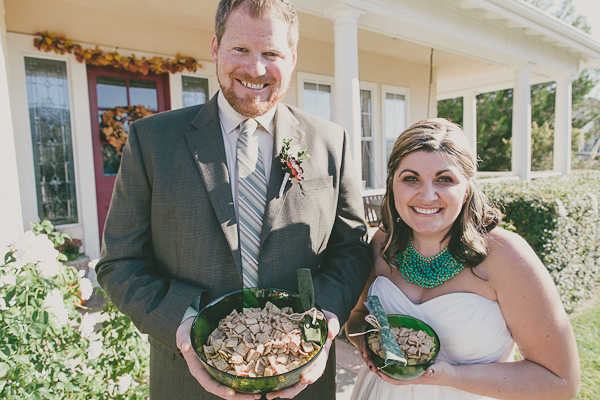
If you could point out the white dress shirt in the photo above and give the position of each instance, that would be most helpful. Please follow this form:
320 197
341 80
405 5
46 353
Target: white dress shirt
230 127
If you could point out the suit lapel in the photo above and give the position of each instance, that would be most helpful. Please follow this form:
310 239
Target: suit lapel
207 147
286 127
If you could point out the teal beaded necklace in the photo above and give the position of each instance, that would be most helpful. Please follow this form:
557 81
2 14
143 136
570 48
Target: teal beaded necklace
427 272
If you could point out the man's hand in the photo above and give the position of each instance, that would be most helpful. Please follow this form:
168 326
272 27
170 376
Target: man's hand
184 343
317 368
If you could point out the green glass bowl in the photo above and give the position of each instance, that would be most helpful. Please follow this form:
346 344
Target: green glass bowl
408 371
206 322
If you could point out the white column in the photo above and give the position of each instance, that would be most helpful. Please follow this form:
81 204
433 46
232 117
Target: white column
521 123
346 86
11 216
562 125
470 120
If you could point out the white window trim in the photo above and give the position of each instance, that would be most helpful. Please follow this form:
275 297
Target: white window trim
385 89
21 46
305 77
376 178
208 71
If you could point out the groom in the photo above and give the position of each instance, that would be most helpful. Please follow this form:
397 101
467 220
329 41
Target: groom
178 234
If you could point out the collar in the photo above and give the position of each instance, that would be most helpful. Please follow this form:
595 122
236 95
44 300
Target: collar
231 119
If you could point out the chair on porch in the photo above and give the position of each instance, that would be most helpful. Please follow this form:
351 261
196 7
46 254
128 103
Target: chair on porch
372 206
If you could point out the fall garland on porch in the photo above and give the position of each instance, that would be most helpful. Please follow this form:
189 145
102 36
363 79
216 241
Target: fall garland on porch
58 43
113 120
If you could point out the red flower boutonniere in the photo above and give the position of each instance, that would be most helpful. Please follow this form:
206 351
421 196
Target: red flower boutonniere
291 163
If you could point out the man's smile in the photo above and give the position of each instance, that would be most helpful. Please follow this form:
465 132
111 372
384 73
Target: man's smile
255 86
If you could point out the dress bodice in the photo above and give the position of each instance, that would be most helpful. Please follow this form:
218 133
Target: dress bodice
471 329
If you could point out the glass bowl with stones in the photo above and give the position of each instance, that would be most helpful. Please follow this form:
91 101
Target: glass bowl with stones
417 340
245 340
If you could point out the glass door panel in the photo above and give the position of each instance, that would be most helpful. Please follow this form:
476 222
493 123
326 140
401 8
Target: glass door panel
114 95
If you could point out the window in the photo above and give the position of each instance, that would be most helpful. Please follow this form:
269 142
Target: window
317 100
121 91
395 115
315 95
194 90
366 137
50 121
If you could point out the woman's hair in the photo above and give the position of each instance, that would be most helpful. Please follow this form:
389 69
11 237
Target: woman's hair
468 242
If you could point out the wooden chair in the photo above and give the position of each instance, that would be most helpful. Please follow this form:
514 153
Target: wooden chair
372 206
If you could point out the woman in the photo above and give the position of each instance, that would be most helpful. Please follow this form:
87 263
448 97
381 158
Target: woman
440 257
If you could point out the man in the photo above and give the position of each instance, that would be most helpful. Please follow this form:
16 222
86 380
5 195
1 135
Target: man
177 234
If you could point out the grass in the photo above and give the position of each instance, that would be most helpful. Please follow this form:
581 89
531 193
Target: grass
586 326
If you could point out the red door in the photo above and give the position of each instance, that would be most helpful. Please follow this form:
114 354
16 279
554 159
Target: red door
110 88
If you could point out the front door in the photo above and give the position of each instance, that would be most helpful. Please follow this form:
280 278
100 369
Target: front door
118 93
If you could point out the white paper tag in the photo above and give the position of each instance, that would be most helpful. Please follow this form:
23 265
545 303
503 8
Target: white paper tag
286 178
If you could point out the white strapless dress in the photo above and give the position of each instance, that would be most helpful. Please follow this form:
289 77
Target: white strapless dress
471 328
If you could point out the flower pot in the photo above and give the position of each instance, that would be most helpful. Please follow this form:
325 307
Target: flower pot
80 264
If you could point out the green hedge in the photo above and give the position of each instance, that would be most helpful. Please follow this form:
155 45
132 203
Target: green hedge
567 237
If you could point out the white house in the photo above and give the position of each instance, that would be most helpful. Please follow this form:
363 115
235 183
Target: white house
373 66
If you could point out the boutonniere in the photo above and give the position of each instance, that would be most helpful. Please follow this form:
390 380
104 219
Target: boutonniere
291 164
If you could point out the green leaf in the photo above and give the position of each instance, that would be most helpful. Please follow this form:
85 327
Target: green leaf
4 367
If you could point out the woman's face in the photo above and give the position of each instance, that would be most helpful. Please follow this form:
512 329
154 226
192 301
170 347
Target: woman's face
429 192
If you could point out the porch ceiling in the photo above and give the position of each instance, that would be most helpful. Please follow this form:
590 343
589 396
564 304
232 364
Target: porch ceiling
477 43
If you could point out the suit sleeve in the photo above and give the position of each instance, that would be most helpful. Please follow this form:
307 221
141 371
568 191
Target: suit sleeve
128 271
348 255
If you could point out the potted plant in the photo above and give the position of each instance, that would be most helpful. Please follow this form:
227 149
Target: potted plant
70 248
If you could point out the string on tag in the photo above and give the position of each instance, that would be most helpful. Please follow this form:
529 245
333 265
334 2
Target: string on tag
316 314
371 319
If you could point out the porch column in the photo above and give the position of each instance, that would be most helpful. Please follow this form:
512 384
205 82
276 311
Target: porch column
521 123
10 211
346 87
470 120
562 125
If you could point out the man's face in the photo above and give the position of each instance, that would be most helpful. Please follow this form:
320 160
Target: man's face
254 62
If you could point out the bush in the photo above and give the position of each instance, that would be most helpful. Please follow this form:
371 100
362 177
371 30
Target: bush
585 163
559 219
48 349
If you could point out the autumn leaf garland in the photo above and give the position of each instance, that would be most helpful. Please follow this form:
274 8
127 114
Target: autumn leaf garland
60 45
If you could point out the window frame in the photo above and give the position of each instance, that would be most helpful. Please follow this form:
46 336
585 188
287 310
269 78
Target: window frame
305 77
208 71
377 179
24 141
398 90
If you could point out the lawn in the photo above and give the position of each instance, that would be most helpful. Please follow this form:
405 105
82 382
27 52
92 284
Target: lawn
586 325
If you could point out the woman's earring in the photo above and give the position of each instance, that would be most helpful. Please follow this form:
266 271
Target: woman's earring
398 219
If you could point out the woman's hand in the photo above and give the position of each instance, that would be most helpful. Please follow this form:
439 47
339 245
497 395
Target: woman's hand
364 353
440 373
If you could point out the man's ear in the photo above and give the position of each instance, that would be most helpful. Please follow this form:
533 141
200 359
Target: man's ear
214 47
294 58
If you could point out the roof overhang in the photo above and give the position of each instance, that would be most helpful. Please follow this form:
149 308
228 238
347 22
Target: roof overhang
504 33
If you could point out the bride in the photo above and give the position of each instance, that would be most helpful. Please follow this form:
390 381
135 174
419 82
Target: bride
440 257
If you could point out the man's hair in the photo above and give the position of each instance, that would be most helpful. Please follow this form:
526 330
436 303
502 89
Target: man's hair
477 217
283 9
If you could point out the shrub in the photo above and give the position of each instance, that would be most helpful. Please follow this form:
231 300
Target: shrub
559 219
48 349
585 163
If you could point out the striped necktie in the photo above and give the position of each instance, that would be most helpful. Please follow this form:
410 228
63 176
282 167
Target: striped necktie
252 195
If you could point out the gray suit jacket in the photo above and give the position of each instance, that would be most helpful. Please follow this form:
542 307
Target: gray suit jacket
171 234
